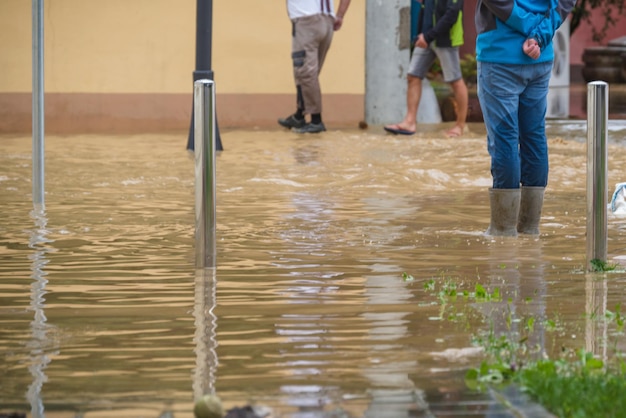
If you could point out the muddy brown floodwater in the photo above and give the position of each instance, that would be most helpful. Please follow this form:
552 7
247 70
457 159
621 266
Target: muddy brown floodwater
309 311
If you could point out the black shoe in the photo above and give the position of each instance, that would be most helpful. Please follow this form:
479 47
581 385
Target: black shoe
292 121
311 128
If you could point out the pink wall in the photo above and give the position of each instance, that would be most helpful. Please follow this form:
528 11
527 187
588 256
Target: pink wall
468 28
581 38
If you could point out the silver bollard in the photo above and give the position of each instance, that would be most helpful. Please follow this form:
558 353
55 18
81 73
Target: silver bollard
38 105
204 133
597 171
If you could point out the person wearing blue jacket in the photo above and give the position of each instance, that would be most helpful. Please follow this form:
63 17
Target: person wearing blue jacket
515 55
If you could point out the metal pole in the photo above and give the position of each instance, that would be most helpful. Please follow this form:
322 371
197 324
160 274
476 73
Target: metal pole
38 105
205 128
597 171
204 44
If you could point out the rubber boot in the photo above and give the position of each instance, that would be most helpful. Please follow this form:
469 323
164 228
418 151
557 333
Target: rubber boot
504 212
530 210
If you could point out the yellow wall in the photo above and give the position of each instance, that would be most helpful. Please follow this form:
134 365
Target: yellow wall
252 49
148 46
127 65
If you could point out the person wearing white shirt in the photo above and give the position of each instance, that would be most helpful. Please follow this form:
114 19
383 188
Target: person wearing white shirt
313 24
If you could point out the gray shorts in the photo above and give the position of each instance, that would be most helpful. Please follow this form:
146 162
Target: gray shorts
422 59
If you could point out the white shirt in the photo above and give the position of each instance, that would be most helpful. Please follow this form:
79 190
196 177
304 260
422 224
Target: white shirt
301 8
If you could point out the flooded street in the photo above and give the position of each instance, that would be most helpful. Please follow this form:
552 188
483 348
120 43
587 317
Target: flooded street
318 306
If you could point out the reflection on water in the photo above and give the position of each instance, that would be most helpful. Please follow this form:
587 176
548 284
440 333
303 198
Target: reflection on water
307 312
205 335
39 357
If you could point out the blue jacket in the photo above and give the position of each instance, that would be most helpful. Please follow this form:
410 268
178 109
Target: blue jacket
503 26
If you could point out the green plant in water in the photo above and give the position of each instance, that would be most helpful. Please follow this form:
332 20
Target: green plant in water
598 265
481 294
530 324
580 388
616 317
449 290
576 384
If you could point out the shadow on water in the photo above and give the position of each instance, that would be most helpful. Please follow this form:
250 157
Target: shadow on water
308 312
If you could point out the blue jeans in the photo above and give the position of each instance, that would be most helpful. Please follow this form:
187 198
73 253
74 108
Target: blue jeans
513 99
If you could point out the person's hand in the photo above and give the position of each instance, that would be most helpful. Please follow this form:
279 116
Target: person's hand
531 48
421 42
338 22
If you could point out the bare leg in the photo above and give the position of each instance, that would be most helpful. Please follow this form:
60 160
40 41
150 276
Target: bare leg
460 95
413 96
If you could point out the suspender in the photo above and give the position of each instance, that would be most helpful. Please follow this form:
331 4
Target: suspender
327 4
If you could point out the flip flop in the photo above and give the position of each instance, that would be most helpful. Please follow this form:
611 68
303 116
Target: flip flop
398 131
